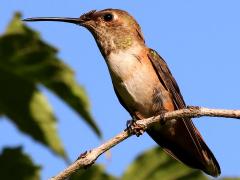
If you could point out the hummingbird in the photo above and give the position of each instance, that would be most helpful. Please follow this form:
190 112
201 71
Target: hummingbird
144 84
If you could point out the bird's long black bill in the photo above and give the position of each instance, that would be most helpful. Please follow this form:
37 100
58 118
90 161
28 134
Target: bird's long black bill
58 19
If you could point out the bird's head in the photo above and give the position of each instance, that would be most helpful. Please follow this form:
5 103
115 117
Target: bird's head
113 29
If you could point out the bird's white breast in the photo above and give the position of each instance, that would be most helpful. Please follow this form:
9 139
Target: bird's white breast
132 79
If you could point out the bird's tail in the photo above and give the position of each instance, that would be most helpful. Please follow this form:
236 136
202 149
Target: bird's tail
182 141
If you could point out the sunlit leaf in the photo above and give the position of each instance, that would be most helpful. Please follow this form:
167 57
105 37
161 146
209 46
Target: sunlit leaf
25 54
16 165
156 164
96 172
25 106
25 63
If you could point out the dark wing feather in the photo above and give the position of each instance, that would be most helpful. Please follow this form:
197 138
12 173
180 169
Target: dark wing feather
211 167
166 78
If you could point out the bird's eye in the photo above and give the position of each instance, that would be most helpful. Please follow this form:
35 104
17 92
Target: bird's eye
108 17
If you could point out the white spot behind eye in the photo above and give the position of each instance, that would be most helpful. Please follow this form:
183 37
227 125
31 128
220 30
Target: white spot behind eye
115 16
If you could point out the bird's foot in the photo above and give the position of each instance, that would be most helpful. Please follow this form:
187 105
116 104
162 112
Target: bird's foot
162 117
83 155
193 107
135 128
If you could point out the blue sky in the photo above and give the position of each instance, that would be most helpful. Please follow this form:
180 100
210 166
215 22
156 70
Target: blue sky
200 42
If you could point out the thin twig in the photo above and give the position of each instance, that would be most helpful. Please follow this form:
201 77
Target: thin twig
88 158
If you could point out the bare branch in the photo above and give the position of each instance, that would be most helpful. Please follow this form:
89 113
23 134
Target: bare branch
88 158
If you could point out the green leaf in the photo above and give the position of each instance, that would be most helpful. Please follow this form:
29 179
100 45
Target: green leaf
96 172
156 164
22 52
25 106
25 63
14 164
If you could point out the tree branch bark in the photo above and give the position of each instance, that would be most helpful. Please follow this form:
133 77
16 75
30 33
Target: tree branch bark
88 158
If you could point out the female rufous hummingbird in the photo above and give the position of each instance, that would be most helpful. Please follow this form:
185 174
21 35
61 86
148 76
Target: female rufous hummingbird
144 85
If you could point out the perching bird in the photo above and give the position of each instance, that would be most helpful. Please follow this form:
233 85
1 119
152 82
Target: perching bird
144 85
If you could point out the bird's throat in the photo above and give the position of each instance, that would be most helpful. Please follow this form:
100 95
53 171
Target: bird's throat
116 41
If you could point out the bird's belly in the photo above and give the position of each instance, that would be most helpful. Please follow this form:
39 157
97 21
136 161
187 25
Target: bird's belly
138 85
137 92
